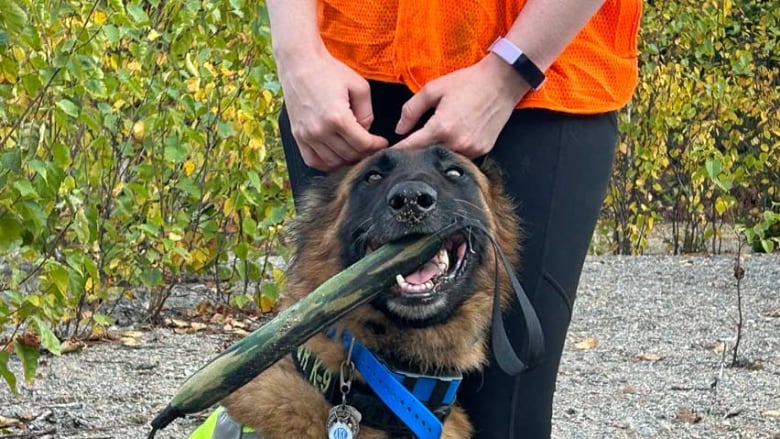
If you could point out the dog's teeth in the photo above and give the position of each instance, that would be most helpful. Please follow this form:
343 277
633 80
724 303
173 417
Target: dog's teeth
401 281
444 260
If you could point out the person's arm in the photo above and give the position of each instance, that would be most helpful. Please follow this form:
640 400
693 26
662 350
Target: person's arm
473 104
328 103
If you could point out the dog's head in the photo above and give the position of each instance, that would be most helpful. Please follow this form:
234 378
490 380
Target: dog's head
398 193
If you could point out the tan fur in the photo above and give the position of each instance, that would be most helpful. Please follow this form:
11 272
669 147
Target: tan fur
282 404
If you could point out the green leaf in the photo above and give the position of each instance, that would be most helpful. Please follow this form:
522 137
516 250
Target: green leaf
138 14
96 88
149 229
152 277
112 33
102 319
176 153
48 339
25 188
12 160
58 275
29 356
68 107
3 39
61 155
768 245
13 16
10 232
6 373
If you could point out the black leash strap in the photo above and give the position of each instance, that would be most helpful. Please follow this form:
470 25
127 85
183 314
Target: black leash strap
504 353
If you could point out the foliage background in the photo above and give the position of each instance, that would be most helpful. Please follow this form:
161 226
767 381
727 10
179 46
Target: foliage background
139 149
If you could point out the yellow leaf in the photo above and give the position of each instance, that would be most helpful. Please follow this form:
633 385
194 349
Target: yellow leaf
99 17
623 148
227 208
139 131
153 35
268 96
588 343
18 53
193 84
189 167
266 304
134 66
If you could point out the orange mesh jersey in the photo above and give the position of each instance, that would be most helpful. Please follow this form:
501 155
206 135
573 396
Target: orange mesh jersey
413 42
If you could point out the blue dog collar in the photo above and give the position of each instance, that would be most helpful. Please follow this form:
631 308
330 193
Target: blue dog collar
389 387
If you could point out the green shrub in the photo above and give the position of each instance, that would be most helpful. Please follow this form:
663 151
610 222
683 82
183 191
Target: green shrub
700 143
138 146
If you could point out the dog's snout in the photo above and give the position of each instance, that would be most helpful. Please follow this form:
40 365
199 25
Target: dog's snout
412 198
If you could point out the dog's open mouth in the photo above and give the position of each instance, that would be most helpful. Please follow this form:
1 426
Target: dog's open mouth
428 279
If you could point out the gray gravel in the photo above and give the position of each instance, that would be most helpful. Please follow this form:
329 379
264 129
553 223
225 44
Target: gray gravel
655 321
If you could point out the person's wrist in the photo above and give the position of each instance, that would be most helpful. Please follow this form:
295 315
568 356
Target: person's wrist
298 48
511 83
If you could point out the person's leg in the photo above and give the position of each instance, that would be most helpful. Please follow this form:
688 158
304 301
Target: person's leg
557 168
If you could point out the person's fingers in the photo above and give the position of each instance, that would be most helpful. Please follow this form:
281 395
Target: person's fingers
419 139
358 136
415 107
340 147
320 157
360 102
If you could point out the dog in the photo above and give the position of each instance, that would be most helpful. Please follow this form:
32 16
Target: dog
430 327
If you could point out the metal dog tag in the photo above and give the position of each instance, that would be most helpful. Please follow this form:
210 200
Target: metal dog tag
343 422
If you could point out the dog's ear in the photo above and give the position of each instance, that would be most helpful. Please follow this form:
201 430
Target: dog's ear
491 169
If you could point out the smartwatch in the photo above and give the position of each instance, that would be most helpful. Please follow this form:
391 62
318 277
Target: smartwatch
515 57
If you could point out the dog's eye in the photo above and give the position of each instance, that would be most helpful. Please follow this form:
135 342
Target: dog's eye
454 172
373 177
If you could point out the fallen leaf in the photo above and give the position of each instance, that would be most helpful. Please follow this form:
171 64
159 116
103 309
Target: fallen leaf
588 343
772 413
719 347
177 323
130 342
29 339
629 389
197 326
773 313
70 346
9 422
687 415
132 334
646 356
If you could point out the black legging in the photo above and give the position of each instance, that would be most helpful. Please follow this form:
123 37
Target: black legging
556 166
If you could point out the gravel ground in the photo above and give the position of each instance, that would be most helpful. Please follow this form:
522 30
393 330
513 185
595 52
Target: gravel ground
641 360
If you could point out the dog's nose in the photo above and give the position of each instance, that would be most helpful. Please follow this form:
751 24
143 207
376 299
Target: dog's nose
412 197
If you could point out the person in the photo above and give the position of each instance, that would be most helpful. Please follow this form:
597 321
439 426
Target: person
359 77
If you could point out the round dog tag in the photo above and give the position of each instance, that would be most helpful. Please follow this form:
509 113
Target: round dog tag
340 430
343 422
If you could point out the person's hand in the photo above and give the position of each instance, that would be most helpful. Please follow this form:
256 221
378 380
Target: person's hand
472 106
330 111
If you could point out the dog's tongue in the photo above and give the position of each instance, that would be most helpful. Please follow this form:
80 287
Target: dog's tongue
424 274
